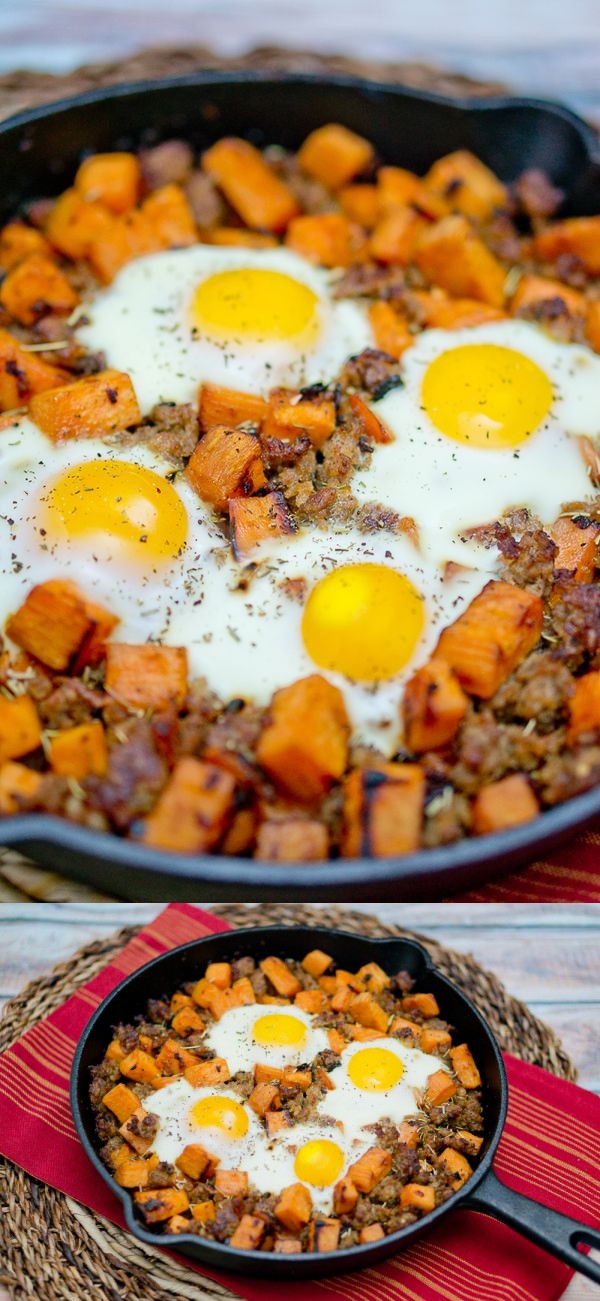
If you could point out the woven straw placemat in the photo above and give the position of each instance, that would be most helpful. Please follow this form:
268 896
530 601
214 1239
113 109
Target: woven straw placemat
55 1249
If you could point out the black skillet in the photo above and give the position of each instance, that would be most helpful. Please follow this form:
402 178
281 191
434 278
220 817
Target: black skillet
484 1192
39 152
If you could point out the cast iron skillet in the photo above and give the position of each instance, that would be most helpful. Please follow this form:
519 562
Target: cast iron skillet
484 1192
39 151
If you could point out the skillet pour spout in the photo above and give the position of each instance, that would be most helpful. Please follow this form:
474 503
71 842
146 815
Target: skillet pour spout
556 1233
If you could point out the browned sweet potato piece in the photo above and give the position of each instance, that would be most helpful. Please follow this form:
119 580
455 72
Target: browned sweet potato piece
294 1207
74 224
264 1097
203 1211
316 963
186 1020
249 1233
51 624
292 840
370 1169
114 179
426 1004
219 974
193 809
276 1120
157 1204
456 1166
170 216
397 187
280 976
361 204
434 706
592 325
18 785
395 236
577 236
472 1142
24 373
578 542
290 416
328 238
345 1196
303 761
133 1173
254 519
337 1043
122 1101
147 676
20 727
18 241
231 1183
226 463
450 255
35 287
228 407
371 1233
128 236
91 407
383 810
173 1058
374 977
464 1066
93 647
467 184
440 1088
367 1011
434 1041
237 236
79 751
258 196
402 1026
374 428
417 1197
334 155
130 1131
194 1161
535 290
323 1235
408 1133
440 312
390 328
311 1000
584 707
204 1074
496 631
505 803
139 1066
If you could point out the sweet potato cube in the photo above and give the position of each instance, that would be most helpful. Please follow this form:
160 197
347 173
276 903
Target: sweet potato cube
292 840
241 992
294 1207
533 292
464 1066
361 204
578 542
157 1204
20 727
334 155
577 236
383 810
173 1058
327 238
147 676
467 184
255 519
192 811
417 1197
122 1101
323 1235
505 803
204 1074
226 463
286 1246
368 1012
178 1001
374 977
169 213
128 236
79 751
472 1142
584 707
267 1074
408 1133
18 241
74 224
132 1131
283 980
363 1033
396 187
203 1211
237 236
374 429
395 236
35 287
370 1169
115 1051
341 999
93 647
426 1004
328 984
592 324
228 407
187 1020
434 706
345 1196
337 1043
311 1000
496 631
316 963
231 1183
304 761
194 1161
133 1173
450 255
264 1097
456 1166
434 1041
291 1077
440 312
259 197
290 416
277 1120
392 334
440 1088
219 974
114 179
249 1233
139 1066
24 373
92 407
51 624
407 1030
371 1233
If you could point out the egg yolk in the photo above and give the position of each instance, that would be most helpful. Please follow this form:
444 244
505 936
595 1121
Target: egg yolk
319 1163
116 500
485 395
277 1031
221 1113
375 1069
363 621
253 302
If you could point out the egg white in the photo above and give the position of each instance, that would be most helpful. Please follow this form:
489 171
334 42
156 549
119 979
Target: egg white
232 1038
354 1108
142 324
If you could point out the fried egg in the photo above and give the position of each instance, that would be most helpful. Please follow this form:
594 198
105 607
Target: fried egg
487 421
247 319
378 1080
267 1034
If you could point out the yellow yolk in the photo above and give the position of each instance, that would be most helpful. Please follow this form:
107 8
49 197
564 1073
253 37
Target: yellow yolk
221 1113
261 304
485 395
278 1031
319 1163
118 500
363 621
375 1069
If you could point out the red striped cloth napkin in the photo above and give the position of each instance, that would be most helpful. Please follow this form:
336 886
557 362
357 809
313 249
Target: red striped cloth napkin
568 875
470 1257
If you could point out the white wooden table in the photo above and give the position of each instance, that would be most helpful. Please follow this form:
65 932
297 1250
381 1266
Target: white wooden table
545 954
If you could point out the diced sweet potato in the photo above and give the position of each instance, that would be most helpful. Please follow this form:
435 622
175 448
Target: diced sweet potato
178 1224
584 707
219 974
417 1197
533 292
18 241
434 706
238 237
505 803
397 187
362 1034
259 197
426 1004
578 542
456 1166
226 463
51 624
194 1160
323 1235
337 1043
440 1088
290 416
178 1001
74 224
147 676
228 407
79 751
132 1132
311 1000
351 979
370 1169
577 236
394 238
391 331
170 215
496 631
374 977
294 1207
277 1120
231 1183
304 761
186 1020
203 1075
114 179
367 1011
464 1066
35 287
129 236
467 184
592 324
93 647
383 810
133 1173
328 238
292 840
361 203
440 312
328 984
371 1233
280 976
472 1142
24 373
408 1030
139 1066
345 1196
408 1133
20 727
334 155
450 255
434 1041
374 428
92 407
122 1101
157 1204
255 519
316 963
249 1233
115 1051
203 1211
192 811
173 1058
264 1097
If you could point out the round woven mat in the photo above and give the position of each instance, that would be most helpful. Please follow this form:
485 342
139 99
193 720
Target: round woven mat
55 1249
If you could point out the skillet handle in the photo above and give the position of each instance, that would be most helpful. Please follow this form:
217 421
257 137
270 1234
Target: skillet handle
556 1233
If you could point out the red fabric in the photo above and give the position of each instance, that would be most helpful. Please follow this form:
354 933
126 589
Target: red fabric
470 1257
569 875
